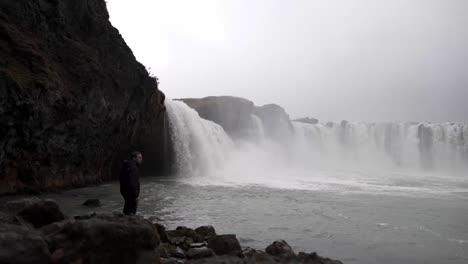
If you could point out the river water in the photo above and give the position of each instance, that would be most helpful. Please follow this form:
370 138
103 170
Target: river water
343 223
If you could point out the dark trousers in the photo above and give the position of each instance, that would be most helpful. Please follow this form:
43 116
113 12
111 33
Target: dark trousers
131 204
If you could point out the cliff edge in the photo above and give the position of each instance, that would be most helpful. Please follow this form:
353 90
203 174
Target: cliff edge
73 99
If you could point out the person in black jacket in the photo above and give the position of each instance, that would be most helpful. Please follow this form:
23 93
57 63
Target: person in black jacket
130 182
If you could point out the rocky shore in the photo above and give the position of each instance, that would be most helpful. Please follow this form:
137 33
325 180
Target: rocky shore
35 231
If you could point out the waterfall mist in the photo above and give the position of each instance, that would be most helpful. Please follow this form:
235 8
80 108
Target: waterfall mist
346 156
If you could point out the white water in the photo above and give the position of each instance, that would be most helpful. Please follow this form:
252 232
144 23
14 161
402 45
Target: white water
403 158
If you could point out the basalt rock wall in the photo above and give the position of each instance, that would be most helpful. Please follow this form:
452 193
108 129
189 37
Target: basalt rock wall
73 99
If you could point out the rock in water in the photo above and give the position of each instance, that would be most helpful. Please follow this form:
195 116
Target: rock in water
225 245
206 232
280 248
92 203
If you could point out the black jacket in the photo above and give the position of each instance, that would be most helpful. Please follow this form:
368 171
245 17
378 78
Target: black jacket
130 179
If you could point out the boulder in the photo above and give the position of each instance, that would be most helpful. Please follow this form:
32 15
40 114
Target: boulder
179 253
92 203
196 253
206 231
41 213
161 232
280 248
21 245
167 250
183 236
105 239
225 245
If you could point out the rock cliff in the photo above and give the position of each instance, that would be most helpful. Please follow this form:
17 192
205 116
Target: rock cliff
73 99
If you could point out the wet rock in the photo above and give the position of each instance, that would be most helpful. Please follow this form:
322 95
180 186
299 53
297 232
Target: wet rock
225 245
197 245
83 217
167 250
183 236
104 239
313 258
250 252
171 261
92 203
206 231
280 248
196 253
179 253
8 218
41 213
21 245
162 232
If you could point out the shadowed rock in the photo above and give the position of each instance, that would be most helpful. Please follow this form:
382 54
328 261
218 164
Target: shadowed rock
227 244
20 245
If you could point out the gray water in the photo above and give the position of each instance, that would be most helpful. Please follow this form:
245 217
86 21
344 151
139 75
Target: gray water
353 226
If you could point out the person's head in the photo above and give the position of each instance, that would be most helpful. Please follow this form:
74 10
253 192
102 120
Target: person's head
137 156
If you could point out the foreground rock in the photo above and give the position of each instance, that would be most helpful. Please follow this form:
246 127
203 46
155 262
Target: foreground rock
104 239
35 231
32 211
21 245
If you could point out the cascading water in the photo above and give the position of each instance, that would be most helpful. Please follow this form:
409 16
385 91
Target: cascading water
199 145
402 145
320 155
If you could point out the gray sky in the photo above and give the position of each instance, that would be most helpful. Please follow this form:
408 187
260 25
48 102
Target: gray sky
360 60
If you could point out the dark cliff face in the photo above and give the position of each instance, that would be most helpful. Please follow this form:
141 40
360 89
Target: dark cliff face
73 98
234 114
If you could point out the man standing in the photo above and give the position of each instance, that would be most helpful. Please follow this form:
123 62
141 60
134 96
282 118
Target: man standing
130 182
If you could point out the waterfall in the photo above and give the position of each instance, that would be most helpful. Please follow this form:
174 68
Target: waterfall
202 147
403 145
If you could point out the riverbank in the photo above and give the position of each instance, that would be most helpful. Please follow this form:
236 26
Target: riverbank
34 230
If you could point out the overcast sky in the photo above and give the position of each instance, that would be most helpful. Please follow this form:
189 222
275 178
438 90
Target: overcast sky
360 60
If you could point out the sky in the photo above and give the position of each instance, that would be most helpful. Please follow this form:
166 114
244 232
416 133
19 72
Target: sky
358 60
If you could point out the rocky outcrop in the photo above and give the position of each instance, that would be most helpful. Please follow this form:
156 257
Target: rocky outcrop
307 120
276 122
237 116
20 245
104 239
31 212
116 238
73 99
234 114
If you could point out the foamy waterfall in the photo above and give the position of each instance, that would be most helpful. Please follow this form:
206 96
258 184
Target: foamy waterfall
202 146
403 145
199 145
